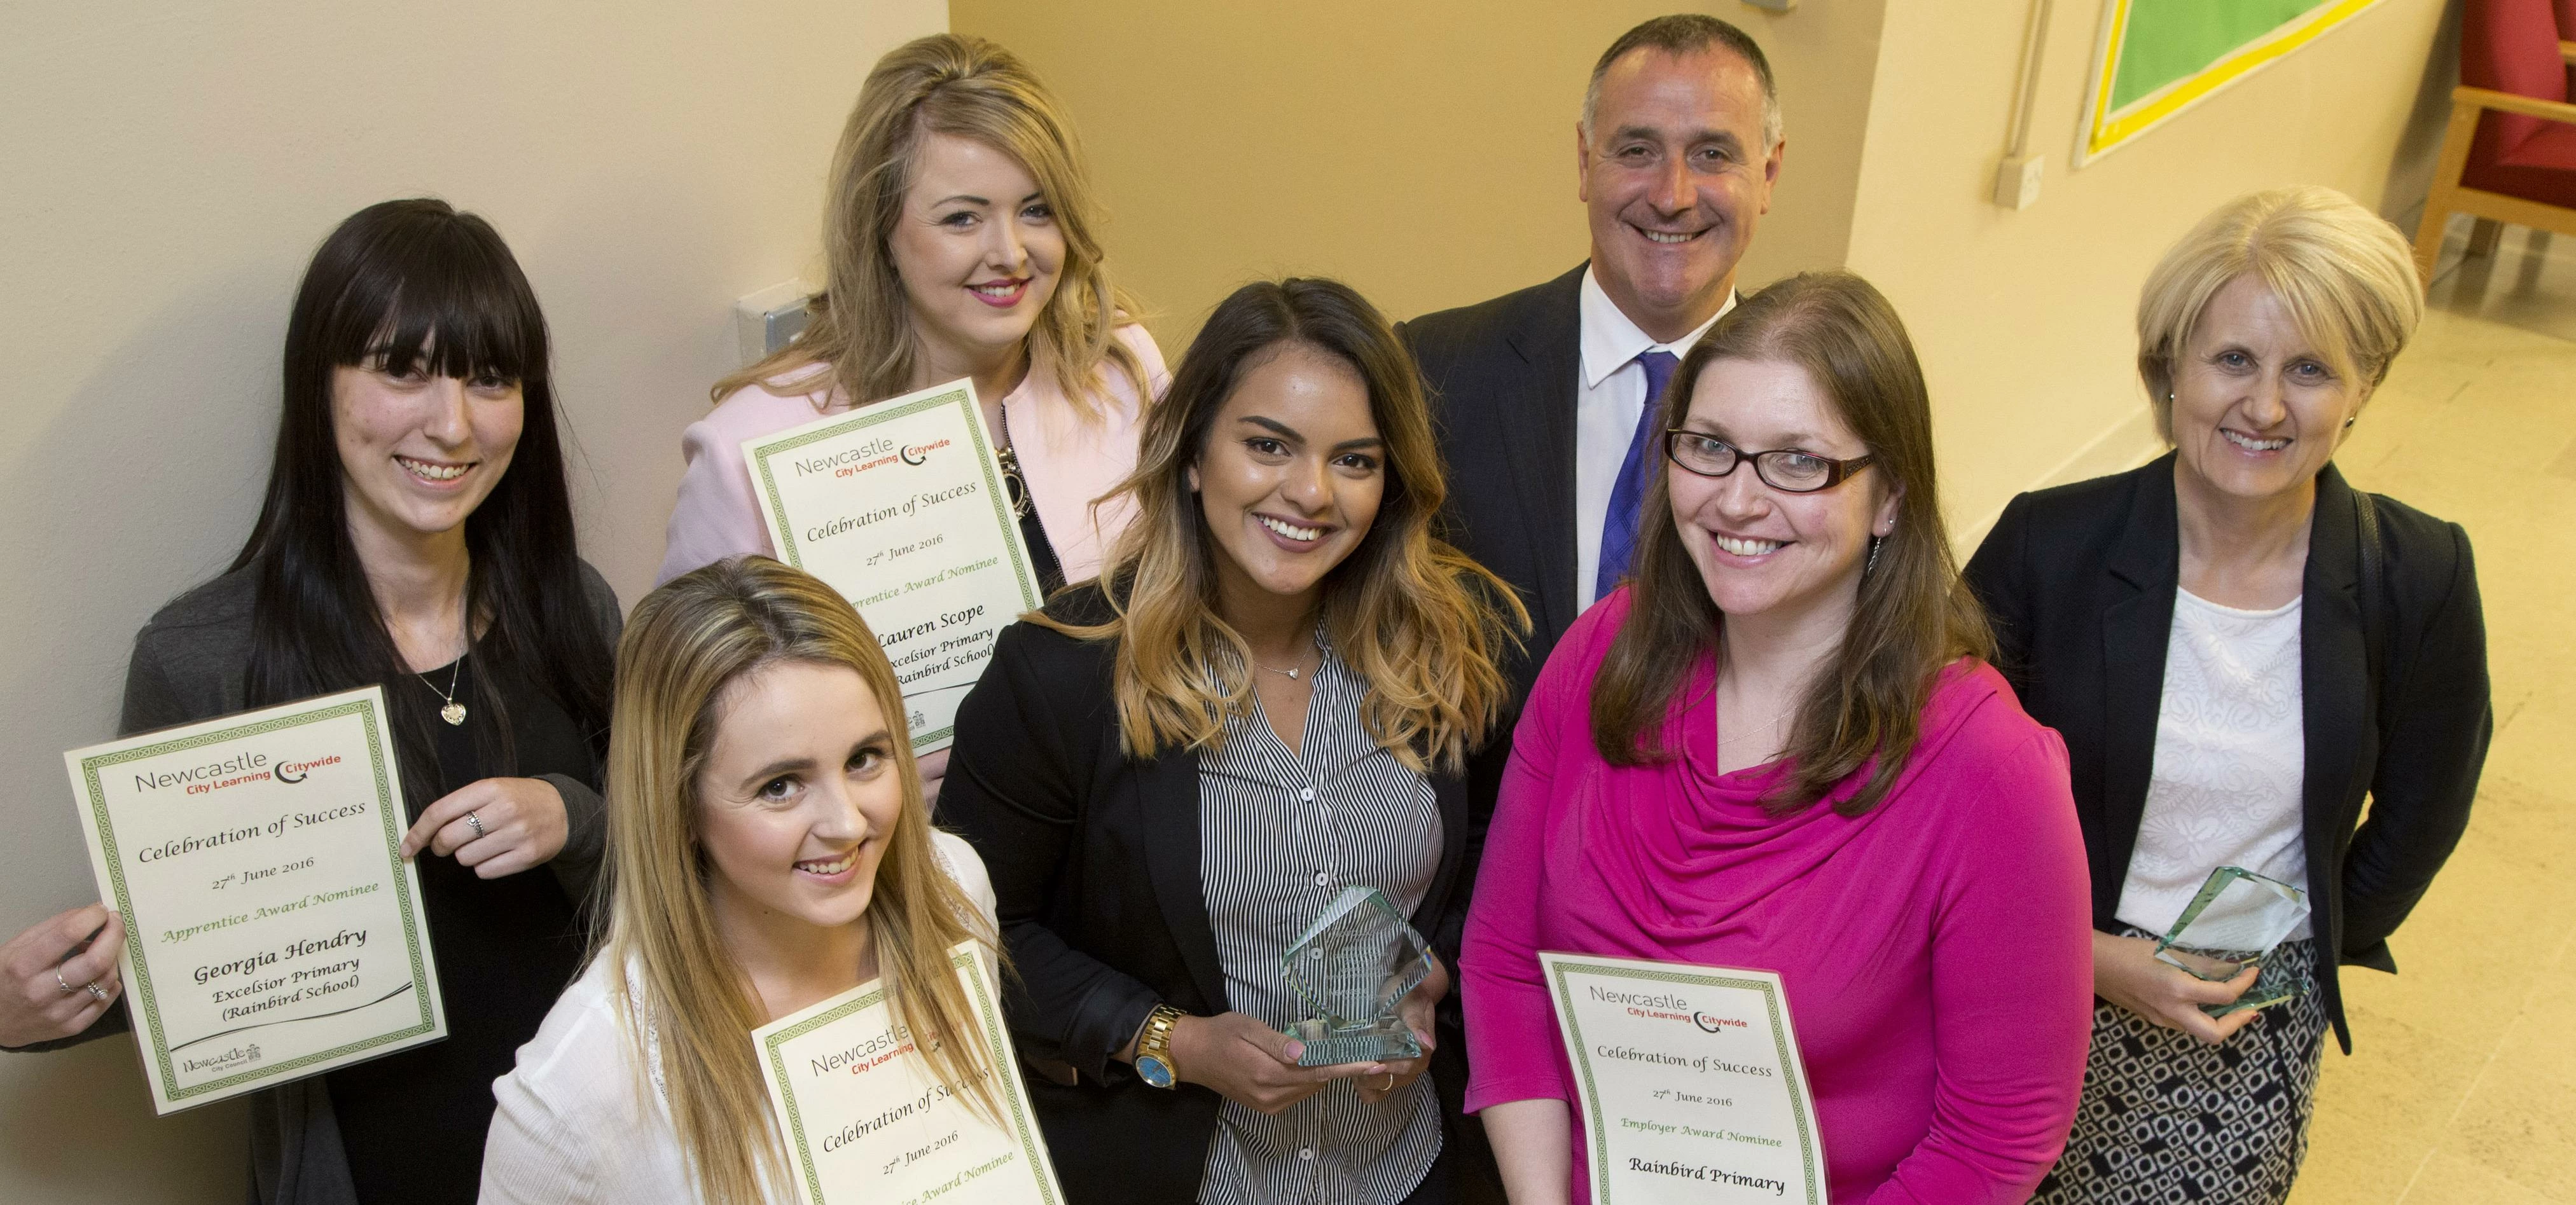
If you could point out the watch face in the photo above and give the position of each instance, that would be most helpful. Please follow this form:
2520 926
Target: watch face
1154 1071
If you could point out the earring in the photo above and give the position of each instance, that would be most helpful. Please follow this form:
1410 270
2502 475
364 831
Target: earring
1872 563
2349 420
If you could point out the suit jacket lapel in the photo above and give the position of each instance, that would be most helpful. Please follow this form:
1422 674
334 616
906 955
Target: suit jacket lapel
2334 678
2146 567
1168 790
1539 436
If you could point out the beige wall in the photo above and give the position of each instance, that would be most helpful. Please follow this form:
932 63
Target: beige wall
1422 151
2024 319
169 169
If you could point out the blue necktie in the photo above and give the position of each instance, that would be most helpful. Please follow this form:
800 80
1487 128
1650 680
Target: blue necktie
1636 476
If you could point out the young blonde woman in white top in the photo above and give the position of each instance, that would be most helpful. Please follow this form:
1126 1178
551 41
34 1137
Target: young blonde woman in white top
769 849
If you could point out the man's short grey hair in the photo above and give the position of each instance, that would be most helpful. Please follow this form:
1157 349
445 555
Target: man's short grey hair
1688 33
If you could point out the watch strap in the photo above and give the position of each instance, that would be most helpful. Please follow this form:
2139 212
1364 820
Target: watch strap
1155 1041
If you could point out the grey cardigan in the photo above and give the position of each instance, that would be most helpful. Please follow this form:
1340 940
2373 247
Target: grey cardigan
191 663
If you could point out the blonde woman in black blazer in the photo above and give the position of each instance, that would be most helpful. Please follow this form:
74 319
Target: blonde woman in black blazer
2238 647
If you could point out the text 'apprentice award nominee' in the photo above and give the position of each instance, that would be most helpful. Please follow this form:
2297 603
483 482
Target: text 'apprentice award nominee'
865 1122
1689 1081
273 929
900 506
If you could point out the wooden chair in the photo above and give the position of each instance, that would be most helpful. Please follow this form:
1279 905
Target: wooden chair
2510 152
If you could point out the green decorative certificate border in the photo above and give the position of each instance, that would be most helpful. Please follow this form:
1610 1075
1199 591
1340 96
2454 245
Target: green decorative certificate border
1005 1070
1791 1068
869 416
367 709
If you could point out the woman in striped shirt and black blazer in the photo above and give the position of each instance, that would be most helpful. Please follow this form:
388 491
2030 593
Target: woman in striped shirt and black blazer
1268 697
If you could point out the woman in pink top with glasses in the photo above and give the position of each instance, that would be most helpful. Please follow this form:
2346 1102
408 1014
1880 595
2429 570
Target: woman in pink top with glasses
1779 747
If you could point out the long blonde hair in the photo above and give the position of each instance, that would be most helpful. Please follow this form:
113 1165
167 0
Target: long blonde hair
686 642
1425 626
862 324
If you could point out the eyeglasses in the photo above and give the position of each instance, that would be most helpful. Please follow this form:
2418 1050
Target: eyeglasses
1785 469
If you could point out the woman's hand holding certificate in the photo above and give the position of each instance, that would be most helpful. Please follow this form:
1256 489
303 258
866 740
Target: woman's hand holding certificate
273 928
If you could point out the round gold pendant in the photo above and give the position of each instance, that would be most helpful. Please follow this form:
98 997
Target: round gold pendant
453 713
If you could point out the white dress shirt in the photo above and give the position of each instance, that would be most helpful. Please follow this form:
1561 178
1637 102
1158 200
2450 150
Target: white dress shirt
1606 405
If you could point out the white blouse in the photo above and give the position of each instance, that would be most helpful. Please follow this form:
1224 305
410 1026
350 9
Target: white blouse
2230 759
574 1124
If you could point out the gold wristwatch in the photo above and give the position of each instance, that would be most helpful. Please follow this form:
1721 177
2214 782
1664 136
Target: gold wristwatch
1154 1048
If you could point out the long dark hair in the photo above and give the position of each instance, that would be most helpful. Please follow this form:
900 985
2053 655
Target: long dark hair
1424 625
423 286
1914 615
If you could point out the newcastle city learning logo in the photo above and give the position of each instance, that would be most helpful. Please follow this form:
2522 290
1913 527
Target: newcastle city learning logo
297 771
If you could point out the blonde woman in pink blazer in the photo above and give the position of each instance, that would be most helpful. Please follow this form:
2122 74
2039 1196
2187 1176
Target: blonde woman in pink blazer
959 243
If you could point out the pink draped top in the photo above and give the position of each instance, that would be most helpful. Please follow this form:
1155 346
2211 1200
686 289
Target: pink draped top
1936 951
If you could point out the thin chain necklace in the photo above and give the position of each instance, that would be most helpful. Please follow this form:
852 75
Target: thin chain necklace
1715 708
1773 726
454 712
1292 673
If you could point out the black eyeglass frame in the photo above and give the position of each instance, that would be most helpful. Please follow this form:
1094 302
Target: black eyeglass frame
1836 471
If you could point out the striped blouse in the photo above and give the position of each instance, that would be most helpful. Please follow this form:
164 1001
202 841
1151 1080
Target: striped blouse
1280 835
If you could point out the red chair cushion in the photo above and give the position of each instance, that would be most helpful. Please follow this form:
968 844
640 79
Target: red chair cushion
2542 169
2512 46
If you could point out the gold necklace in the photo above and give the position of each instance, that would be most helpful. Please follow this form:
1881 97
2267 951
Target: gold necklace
454 712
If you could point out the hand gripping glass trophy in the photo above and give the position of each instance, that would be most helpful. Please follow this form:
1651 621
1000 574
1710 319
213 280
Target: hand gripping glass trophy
2233 923
1353 966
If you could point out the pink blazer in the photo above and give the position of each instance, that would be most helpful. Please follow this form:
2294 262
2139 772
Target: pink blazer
1069 461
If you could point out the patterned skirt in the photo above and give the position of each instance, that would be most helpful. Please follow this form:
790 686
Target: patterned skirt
2167 1119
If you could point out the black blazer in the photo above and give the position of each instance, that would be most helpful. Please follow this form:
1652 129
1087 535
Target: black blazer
1095 864
1502 376
2080 583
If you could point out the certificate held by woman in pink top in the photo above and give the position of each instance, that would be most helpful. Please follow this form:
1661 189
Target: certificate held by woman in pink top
1778 747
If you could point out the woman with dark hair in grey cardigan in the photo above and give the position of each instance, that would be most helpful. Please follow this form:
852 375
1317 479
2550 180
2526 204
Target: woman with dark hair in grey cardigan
416 534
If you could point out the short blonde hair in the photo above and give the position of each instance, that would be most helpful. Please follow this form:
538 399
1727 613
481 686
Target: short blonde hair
2347 276
862 327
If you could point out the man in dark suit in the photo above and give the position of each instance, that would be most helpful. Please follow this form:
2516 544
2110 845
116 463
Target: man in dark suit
1543 395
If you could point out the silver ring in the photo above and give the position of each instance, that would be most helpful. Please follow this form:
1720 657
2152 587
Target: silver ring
68 989
1390 1083
474 822
94 989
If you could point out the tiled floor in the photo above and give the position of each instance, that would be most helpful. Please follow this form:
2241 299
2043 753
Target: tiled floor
2462 1084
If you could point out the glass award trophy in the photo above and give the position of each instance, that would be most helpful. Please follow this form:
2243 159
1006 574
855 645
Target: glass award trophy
2233 923
1352 966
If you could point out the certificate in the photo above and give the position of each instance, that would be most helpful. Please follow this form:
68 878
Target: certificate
272 928
1690 1082
900 507
865 1121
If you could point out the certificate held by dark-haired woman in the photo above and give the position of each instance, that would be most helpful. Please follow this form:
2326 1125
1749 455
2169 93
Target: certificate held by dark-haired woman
901 506
273 927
